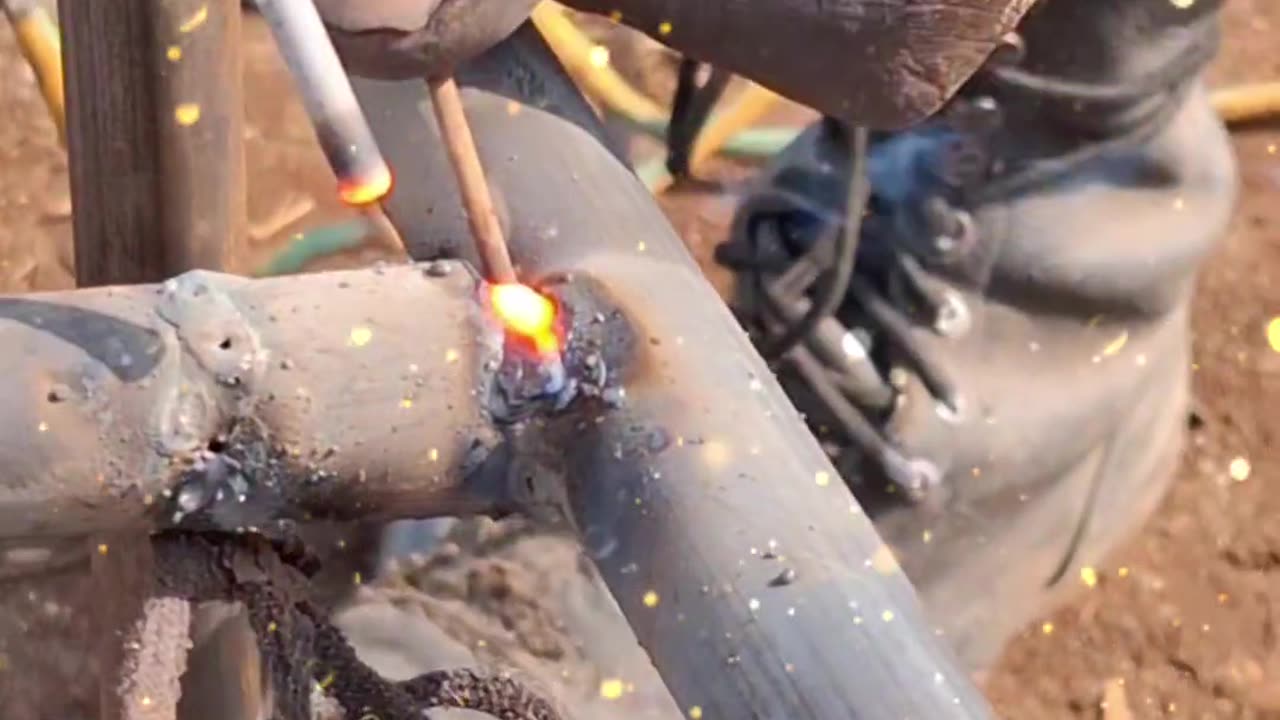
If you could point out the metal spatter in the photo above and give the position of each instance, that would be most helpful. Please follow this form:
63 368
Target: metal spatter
239 483
595 339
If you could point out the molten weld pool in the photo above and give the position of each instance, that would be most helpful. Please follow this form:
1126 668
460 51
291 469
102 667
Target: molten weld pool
529 315
532 368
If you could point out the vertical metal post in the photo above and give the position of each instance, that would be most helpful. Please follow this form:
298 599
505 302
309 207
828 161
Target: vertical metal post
200 108
155 118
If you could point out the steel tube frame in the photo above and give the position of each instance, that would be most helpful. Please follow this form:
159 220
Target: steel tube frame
671 492
155 138
683 494
747 571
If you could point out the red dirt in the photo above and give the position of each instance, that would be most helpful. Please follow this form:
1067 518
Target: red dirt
1182 621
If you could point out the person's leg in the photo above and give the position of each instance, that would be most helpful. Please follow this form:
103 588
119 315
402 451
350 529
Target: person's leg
1018 320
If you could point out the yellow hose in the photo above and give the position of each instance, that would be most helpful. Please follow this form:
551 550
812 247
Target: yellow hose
1247 103
42 47
588 63
1236 105
602 82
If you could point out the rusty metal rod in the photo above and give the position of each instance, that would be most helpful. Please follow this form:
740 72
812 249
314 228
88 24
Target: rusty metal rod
235 402
464 159
707 460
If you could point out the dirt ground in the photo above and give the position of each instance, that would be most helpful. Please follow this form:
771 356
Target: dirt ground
1184 621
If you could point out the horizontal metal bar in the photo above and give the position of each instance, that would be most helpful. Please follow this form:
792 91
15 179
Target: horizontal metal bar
235 402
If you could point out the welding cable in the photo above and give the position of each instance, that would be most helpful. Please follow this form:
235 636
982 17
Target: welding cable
836 282
587 62
690 108
744 111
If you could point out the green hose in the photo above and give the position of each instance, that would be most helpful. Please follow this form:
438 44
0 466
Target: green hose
317 243
327 240
759 142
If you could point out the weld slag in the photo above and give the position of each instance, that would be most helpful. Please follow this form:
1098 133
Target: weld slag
527 381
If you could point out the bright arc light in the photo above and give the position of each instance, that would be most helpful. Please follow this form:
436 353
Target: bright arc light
358 192
527 313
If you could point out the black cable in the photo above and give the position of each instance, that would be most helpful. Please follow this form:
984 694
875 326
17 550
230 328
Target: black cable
832 291
690 109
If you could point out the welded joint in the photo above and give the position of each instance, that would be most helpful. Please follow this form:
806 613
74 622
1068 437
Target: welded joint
228 474
598 356
212 329
221 364
206 422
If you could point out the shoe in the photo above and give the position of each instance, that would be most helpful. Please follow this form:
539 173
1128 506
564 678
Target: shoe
1004 384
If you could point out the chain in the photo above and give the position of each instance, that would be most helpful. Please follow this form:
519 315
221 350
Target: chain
302 649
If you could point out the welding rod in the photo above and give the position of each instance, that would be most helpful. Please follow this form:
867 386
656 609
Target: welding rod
364 178
491 246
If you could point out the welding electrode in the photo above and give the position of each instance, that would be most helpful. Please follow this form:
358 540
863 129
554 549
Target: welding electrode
524 311
486 231
364 178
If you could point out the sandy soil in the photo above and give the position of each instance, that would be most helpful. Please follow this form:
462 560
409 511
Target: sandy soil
1182 621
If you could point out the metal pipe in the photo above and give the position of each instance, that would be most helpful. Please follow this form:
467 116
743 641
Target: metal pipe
155 118
219 400
155 139
744 566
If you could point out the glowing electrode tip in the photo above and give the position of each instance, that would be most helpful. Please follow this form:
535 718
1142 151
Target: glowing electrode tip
527 313
358 192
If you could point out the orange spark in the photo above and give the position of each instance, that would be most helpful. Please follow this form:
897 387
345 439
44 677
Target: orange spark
359 192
